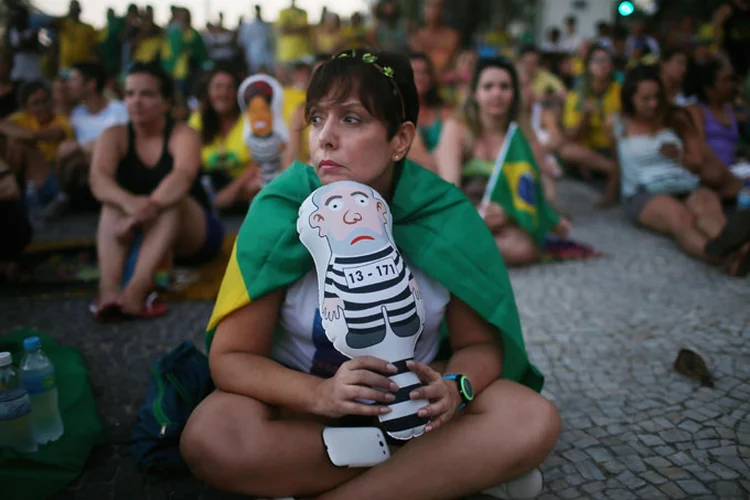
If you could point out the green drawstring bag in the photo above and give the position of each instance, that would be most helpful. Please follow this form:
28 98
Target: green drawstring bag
36 476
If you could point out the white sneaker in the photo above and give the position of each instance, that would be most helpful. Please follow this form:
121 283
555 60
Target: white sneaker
530 485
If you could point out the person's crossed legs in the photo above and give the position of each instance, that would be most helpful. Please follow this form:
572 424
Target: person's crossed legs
181 228
241 445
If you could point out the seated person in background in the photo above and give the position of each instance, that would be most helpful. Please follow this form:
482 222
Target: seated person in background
595 98
432 112
544 119
469 148
674 64
714 117
298 149
438 41
61 97
14 225
93 114
660 159
145 174
8 88
541 79
34 135
225 158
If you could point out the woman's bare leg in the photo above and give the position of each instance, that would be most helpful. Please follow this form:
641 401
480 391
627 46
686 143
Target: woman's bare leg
158 239
705 205
27 162
669 216
191 233
111 253
238 444
516 246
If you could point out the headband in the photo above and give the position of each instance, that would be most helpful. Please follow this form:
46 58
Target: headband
386 71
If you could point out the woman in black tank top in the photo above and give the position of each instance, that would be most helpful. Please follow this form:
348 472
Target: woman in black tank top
145 175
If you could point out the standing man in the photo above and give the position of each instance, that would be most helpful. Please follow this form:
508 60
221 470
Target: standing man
294 41
78 40
572 39
732 21
256 41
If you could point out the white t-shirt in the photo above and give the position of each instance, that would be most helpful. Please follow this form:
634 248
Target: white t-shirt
570 43
88 127
27 64
301 342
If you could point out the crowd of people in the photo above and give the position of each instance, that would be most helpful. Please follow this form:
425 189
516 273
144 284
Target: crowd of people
659 122
154 128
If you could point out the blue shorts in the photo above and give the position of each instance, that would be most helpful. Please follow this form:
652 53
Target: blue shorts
49 189
211 244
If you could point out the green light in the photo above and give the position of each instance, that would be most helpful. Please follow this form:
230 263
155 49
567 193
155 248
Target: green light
625 8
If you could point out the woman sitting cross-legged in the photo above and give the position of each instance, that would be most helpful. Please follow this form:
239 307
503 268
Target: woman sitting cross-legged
280 380
469 149
145 176
660 159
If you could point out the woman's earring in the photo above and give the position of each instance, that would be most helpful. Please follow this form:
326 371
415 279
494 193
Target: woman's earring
396 158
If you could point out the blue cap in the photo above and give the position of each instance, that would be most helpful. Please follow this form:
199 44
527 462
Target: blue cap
32 343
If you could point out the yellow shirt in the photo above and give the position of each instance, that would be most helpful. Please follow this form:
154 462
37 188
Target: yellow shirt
355 38
227 154
47 148
607 105
77 43
577 66
292 47
149 49
545 80
293 99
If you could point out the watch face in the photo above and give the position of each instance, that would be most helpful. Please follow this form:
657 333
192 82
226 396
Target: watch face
467 389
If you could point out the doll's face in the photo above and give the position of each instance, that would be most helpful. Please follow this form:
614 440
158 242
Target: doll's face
261 118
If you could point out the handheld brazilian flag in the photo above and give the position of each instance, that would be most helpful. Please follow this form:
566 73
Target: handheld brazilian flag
516 185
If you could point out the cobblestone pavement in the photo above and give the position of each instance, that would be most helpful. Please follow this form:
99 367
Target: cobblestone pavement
605 333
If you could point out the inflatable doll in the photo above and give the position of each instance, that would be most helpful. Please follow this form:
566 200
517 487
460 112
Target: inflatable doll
261 98
369 301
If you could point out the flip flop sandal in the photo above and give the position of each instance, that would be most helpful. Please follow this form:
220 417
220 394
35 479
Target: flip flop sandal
735 233
744 267
152 308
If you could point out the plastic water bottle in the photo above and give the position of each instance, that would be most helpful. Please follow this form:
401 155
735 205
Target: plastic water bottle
34 205
38 376
743 198
15 409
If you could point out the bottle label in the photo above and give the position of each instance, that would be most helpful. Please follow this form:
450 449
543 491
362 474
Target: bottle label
39 384
14 404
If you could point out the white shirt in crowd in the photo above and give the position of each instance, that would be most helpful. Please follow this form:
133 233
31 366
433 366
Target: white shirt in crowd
256 40
549 47
571 42
88 126
27 64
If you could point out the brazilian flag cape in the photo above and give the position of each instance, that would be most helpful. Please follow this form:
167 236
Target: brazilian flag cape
435 226
516 185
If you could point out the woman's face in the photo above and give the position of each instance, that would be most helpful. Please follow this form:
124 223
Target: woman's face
422 78
348 143
60 92
39 104
143 99
600 65
725 86
675 68
222 94
494 92
646 100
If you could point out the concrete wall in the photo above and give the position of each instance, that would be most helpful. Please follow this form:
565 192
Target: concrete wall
552 13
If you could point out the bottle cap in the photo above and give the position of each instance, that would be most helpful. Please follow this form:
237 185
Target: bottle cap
5 359
32 343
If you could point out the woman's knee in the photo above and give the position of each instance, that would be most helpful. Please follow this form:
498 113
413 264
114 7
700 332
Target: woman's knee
702 201
217 443
535 420
518 251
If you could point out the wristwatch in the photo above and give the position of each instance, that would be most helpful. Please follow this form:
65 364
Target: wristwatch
464 388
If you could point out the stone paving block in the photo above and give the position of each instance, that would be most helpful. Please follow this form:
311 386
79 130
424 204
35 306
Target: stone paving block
589 471
630 480
651 440
649 493
723 471
724 489
653 477
692 487
671 490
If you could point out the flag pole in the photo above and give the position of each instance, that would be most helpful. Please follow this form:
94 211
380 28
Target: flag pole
498 168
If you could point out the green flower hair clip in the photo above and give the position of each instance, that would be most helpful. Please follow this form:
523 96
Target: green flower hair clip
369 58
388 71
